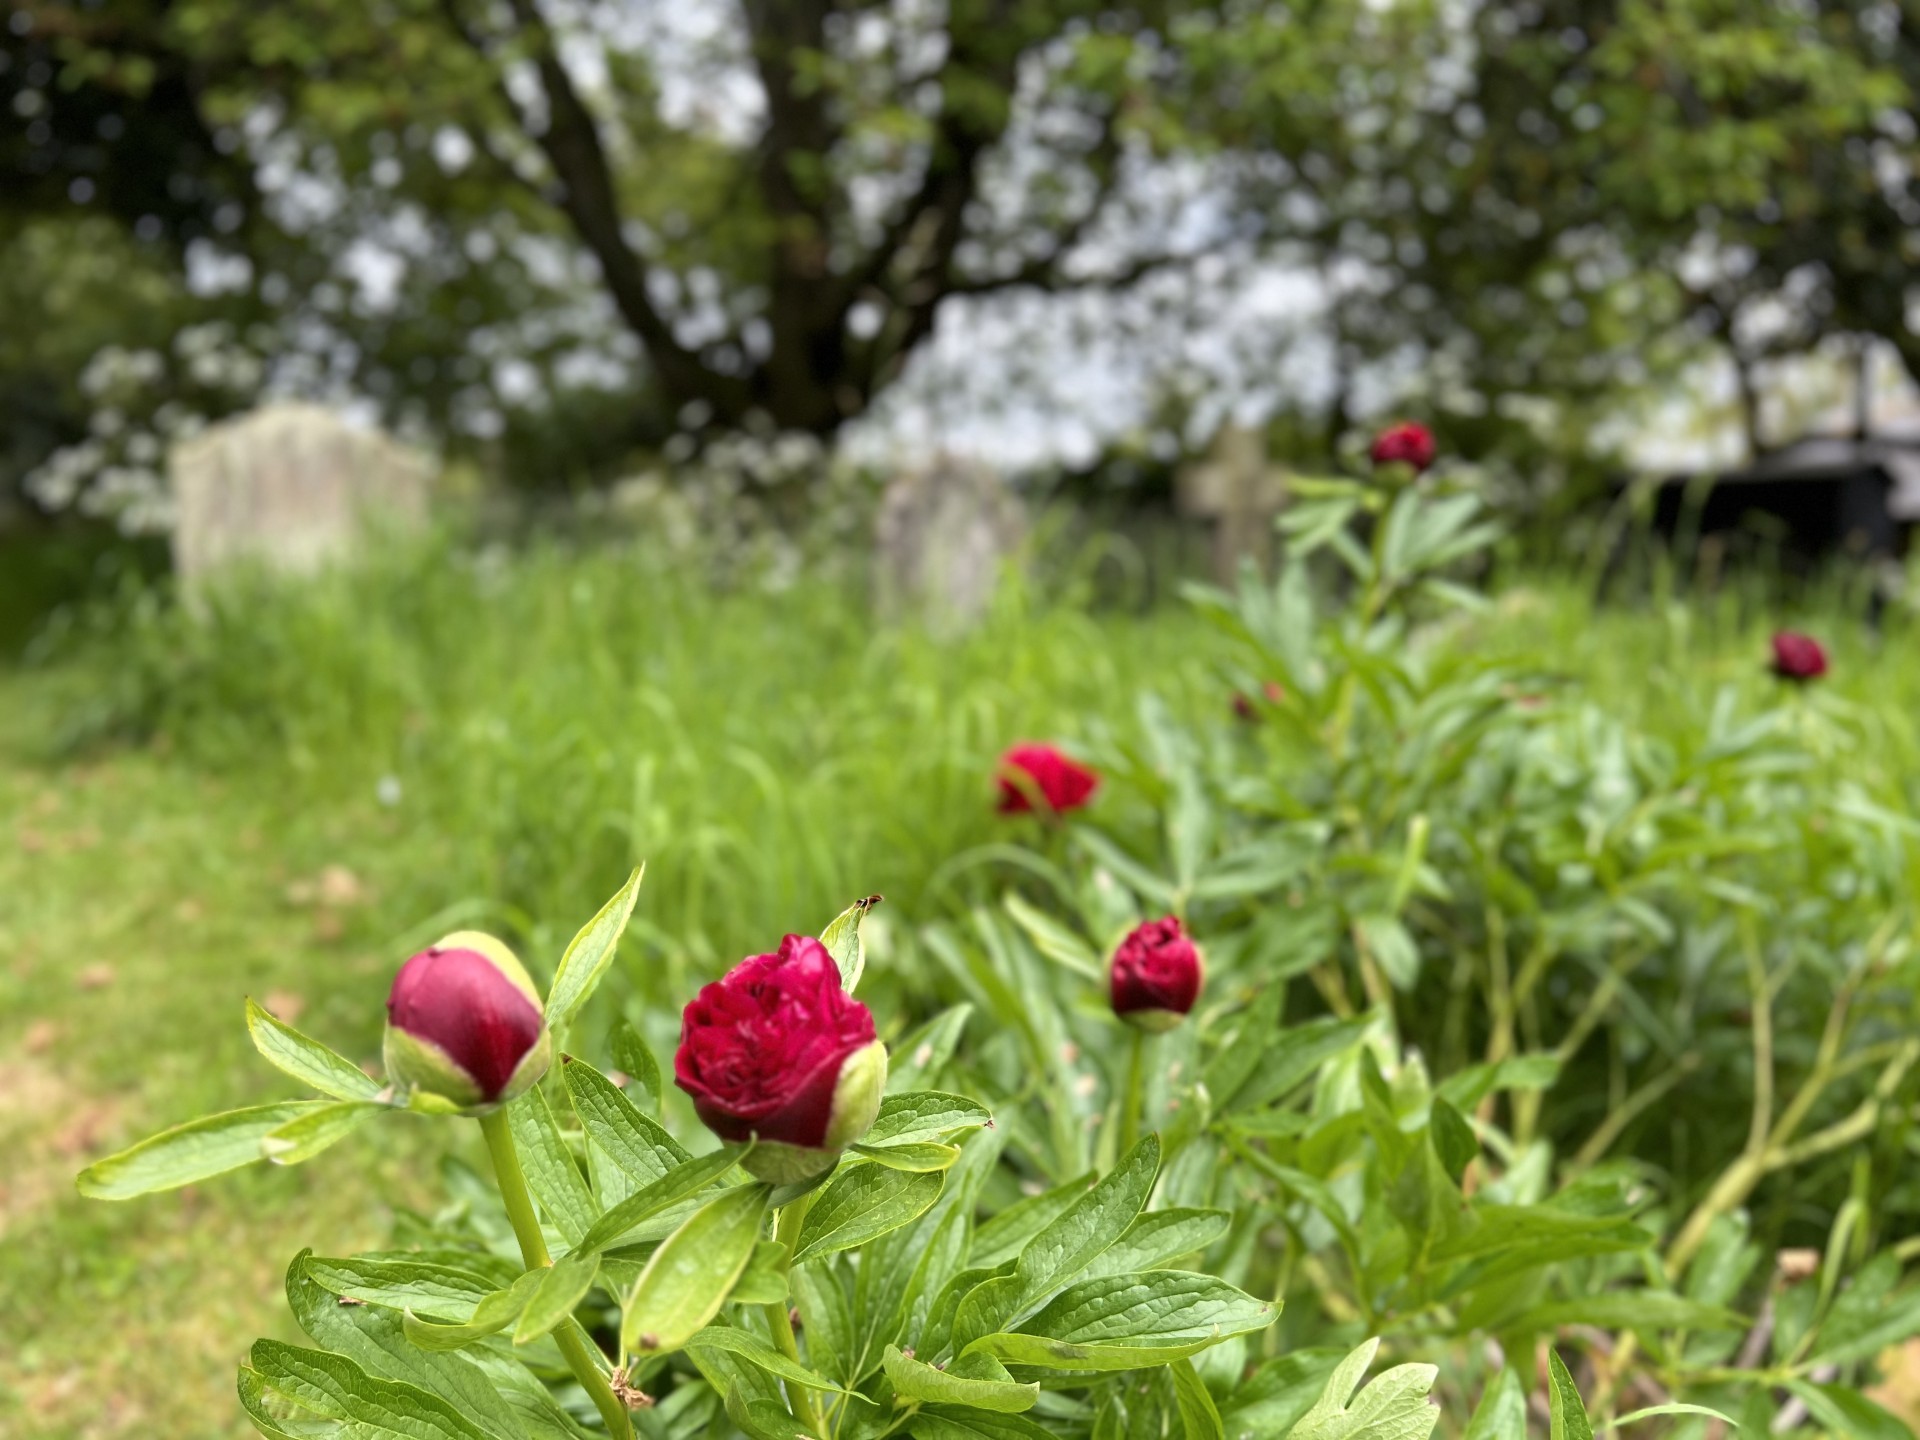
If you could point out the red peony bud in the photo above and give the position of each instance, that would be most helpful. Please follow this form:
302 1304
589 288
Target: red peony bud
1798 657
1246 709
1404 444
464 1026
776 1050
1155 976
1030 773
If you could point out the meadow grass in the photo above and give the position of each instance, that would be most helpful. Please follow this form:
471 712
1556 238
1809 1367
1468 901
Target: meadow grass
283 795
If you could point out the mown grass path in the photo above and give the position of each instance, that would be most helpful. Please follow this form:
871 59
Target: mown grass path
138 906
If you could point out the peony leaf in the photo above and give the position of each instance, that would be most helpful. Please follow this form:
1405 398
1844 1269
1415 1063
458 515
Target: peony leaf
563 1285
978 1381
197 1150
493 1314
307 1135
1502 1413
1393 1407
631 1054
590 953
689 1276
335 1388
254 1394
1566 1414
842 939
1673 1408
426 1287
1847 1414
1055 939
628 1150
307 1060
552 1173
950 1422
765 1280
861 1203
1129 1322
924 1115
673 1187
917 1157
1158 1237
1199 1416
752 1348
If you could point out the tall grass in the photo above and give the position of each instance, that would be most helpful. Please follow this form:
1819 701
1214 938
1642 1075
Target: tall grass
541 720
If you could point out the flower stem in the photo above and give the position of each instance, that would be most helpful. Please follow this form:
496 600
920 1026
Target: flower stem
581 1354
806 1406
1135 1099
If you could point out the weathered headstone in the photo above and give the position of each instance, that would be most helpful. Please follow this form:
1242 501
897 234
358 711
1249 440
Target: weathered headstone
1240 493
942 536
289 486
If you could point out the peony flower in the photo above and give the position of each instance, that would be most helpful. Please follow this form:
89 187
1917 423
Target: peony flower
1798 657
465 1030
1030 773
1155 976
1405 444
777 1051
1246 708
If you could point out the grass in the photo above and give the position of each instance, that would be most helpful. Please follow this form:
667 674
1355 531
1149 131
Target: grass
285 796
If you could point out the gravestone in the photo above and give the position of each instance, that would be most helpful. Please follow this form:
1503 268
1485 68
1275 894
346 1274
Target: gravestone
941 537
289 486
1240 494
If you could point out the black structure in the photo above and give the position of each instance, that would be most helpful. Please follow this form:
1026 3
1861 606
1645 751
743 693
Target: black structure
1815 499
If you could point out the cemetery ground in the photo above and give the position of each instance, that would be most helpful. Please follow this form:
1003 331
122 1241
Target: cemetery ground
280 799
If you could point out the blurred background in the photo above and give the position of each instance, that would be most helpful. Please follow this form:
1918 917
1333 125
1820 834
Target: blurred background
450 449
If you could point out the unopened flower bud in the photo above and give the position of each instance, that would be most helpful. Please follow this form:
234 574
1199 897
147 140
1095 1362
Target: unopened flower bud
1404 444
1155 976
777 1052
465 1030
1798 657
1039 777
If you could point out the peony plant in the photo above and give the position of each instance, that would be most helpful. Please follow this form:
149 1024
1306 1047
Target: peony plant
841 1260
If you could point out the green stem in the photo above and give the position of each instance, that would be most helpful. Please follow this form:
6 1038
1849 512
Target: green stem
806 1405
1134 1101
581 1354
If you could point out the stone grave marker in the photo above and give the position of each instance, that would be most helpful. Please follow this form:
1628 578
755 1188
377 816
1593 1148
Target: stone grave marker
941 537
289 486
1240 494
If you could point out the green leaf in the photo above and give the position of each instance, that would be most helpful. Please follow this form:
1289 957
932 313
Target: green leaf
863 1202
1006 1234
587 958
254 1395
673 1187
1566 1414
920 1058
1263 1066
990 1389
552 1174
925 1115
195 1151
637 1145
631 1054
1392 946
1199 1416
1393 1407
1848 1414
1502 1414
751 1347
443 1292
564 1285
950 1422
493 1314
687 1279
1467 1088
1160 1236
1128 1322
1675 1408
1056 941
842 939
334 1387
307 1060
918 1158
1453 1139
306 1136
765 1281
